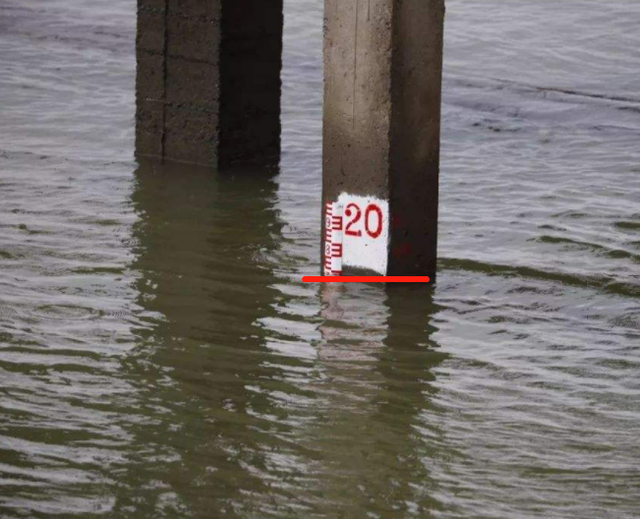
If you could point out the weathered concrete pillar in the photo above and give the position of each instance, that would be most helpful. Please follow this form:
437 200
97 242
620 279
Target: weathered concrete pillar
383 82
208 80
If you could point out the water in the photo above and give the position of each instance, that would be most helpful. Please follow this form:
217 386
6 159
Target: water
160 357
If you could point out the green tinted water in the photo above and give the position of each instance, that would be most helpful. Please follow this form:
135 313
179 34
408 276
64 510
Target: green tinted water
160 356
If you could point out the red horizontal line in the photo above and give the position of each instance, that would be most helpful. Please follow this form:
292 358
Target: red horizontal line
366 279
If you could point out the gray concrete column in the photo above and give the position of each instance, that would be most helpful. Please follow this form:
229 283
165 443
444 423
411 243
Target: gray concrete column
383 82
208 80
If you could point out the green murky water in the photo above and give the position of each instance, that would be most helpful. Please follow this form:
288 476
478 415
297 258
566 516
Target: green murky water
160 356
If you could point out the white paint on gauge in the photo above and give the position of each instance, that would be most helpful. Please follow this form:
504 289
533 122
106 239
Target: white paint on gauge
334 224
366 232
328 223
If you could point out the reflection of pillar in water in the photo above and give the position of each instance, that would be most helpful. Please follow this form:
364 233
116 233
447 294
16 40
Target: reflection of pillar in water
204 258
353 322
379 424
331 311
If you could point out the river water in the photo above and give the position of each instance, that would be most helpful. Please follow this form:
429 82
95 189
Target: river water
160 356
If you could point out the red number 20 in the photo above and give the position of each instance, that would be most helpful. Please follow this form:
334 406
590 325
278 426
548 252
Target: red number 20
354 214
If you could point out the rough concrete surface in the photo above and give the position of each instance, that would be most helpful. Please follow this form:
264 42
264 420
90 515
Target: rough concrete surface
383 77
208 80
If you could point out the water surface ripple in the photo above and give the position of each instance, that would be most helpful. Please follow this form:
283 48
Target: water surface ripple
160 357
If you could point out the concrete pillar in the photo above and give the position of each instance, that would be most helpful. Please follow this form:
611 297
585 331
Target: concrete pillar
208 80
383 82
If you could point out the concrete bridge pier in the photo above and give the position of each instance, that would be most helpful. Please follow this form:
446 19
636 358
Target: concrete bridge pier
383 77
208 80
